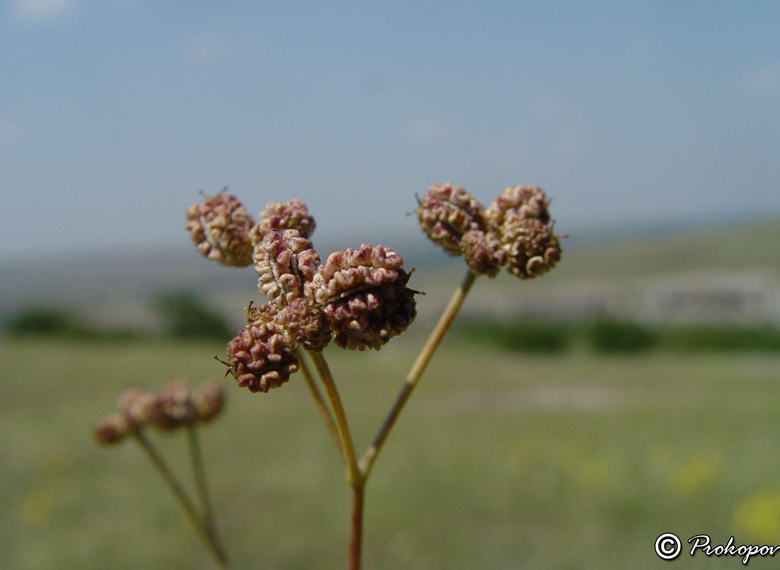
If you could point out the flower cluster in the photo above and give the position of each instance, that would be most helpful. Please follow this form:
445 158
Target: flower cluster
358 298
515 231
175 406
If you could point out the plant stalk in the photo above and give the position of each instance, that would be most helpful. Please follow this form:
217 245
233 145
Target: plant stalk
196 457
353 473
354 476
356 534
184 500
416 372
320 401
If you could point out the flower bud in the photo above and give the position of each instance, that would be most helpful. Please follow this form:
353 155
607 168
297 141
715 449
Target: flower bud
176 406
532 247
219 228
277 217
483 253
446 212
285 262
364 296
112 429
261 356
209 401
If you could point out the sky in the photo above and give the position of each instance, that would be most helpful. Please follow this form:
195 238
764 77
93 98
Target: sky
115 113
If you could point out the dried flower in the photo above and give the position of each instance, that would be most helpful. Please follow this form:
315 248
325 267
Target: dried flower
446 212
306 323
365 297
482 252
261 356
113 429
285 262
142 407
176 406
526 202
220 227
277 216
531 245
209 401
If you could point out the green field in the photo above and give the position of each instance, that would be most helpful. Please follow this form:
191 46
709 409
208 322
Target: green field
500 461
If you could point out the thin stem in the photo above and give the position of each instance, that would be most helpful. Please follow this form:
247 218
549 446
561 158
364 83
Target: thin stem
320 401
425 356
181 495
353 473
356 535
196 457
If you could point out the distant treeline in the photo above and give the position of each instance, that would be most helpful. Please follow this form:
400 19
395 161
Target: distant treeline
184 316
613 336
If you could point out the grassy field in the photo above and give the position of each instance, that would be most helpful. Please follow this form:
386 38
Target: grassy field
500 461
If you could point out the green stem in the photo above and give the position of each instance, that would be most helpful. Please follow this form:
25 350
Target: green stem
196 457
425 356
181 495
355 478
353 473
320 401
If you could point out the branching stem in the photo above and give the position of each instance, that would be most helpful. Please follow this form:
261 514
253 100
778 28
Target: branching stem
320 401
184 500
196 457
416 372
353 473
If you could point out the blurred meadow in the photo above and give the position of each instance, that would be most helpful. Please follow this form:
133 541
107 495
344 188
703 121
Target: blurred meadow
501 460
565 423
525 446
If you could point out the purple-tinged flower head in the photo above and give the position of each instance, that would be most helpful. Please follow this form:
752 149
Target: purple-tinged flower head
525 202
142 407
285 262
532 247
209 400
219 227
262 355
278 216
446 212
483 252
113 429
176 406
364 296
306 323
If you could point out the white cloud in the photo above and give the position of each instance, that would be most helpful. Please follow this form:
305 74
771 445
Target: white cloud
206 47
41 11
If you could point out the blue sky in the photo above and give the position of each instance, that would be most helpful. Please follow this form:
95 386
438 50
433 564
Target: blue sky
114 113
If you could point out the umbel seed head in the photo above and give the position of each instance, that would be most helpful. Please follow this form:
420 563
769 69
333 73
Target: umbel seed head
176 406
446 212
285 262
532 247
209 400
306 324
261 356
142 407
525 202
483 252
113 429
278 216
364 296
219 227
